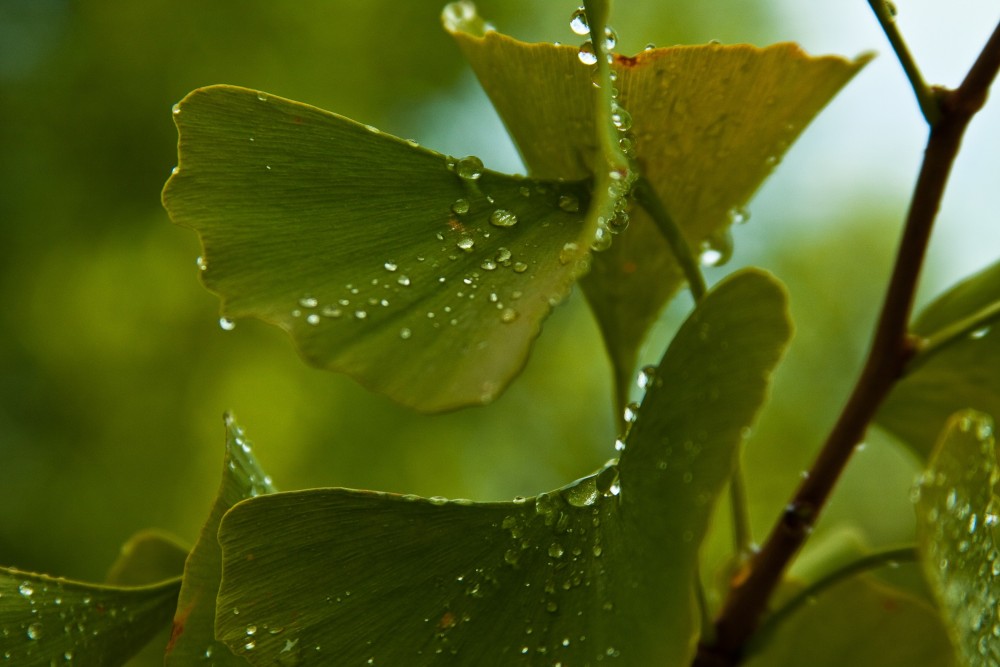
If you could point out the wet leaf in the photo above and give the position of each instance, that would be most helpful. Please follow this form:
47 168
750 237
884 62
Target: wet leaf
707 124
597 570
958 512
960 374
46 621
149 557
423 277
862 623
193 636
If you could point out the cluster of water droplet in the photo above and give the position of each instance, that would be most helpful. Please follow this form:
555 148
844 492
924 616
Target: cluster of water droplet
242 464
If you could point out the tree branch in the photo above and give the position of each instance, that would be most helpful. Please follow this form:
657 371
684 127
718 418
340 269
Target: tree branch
891 349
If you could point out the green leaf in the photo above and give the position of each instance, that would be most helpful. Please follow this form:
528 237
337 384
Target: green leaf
149 557
45 620
709 123
861 623
957 371
599 569
356 243
958 523
193 637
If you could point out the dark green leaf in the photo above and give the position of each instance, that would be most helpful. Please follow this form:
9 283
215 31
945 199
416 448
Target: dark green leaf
708 125
960 372
958 522
46 621
149 557
356 243
193 638
600 569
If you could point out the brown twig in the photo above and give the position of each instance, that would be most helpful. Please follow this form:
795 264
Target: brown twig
891 348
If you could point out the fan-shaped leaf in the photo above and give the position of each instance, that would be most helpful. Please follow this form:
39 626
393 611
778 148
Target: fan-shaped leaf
600 569
707 124
149 557
424 277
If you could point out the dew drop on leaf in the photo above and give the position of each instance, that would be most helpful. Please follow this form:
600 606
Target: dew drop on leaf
226 324
578 22
460 207
469 168
502 218
586 54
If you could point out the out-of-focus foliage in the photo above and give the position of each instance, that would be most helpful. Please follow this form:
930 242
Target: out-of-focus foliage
113 371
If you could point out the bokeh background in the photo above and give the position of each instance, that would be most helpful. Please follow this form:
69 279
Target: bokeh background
114 373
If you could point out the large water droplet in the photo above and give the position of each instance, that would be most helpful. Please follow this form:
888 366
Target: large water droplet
458 16
508 315
578 22
568 252
34 631
460 207
226 324
26 589
586 54
466 243
717 249
469 168
502 218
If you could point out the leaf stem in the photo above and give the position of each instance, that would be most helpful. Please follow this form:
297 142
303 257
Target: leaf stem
929 105
867 562
891 349
954 332
647 198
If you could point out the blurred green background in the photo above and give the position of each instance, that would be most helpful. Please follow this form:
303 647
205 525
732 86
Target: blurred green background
114 373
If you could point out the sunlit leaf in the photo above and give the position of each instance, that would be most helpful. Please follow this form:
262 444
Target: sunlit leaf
861 623
707 124
149 557
958 521
424 278
193 636
48 621
598 570
961 373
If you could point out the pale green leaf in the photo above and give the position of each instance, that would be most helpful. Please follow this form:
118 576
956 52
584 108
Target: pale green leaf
149 557
958 522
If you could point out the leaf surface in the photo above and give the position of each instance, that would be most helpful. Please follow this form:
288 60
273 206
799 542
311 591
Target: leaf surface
706 124
862 623
961 374
597 570
46 621
958 523
193 636
149 557
423 277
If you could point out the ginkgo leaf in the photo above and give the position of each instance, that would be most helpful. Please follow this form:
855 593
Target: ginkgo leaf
192 638
424 277
958 523
51 621
706 124
598 570
961 370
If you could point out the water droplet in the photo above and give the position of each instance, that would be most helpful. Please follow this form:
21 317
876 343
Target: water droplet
602 240
262 96
390 266
556 550
508 315
469 168
598 550
250 645
631 413
331 311
503 255
568 252
488 265
201 263
404 281
586 54
460 207
308 302
646 377
578 22
569 203
227 324
717 249
520 267
581 493
619 445
979 333
360 314
459 16
621 119
610 37
466 243
34 631
437 500
251 630
502 218
26 589
739 216
313 319
177 109
405 333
